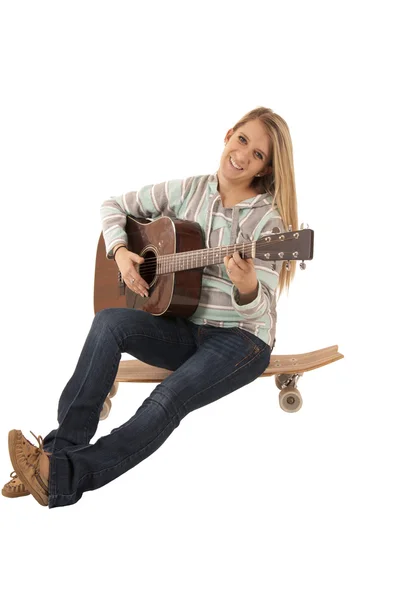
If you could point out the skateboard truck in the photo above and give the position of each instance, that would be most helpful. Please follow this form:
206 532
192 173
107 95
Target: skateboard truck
290 398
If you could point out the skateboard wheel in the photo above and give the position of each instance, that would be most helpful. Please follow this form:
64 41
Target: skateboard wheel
106 409
290 399
113 390
281 380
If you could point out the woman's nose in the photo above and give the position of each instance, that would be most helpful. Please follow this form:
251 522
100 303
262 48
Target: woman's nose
243 156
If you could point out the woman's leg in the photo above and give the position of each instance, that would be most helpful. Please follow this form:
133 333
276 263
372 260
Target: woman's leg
226 359
159 341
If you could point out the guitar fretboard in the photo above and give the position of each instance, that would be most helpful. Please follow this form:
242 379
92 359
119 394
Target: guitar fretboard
183 261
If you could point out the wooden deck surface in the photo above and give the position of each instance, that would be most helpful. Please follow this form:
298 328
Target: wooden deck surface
135 370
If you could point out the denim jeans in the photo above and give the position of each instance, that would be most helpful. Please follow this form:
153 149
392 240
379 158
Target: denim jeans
207 362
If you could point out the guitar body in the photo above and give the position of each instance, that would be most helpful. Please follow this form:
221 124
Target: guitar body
174 258
170 294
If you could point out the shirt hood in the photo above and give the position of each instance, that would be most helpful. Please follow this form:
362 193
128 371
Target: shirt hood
260 200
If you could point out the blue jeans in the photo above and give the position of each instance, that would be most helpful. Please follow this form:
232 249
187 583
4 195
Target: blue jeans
207 363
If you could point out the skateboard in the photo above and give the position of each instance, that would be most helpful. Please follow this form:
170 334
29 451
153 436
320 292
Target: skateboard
286 368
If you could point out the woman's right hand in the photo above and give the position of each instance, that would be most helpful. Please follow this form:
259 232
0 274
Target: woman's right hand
127 263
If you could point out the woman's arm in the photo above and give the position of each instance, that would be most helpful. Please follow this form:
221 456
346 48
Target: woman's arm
252 296
150 202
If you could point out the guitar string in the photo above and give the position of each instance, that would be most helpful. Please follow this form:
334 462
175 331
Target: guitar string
172 260
200 254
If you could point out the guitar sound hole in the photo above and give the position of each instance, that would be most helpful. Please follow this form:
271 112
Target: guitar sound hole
147 270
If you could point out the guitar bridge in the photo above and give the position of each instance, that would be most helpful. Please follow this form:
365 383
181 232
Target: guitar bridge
121 284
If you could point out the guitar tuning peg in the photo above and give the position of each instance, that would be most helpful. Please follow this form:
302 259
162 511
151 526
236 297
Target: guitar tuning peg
304 226
287 265
302 266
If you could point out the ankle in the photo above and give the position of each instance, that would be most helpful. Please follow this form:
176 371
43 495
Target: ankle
44 467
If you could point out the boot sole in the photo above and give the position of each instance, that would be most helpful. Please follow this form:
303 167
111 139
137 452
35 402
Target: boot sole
12 439
11 495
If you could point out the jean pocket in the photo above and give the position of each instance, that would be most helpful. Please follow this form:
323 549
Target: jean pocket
252 338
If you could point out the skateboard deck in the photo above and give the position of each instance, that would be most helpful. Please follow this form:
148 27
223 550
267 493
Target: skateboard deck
287 369
291 364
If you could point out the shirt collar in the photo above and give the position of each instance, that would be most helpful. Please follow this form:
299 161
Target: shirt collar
257 200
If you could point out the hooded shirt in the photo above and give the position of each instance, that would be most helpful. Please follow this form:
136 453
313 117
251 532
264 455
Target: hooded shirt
197 199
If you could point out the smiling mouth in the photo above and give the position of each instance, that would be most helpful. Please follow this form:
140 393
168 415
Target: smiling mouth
234 164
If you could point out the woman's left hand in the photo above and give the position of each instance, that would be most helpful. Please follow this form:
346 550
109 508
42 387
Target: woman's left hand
242 273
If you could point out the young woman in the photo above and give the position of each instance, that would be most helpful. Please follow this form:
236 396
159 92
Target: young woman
225 345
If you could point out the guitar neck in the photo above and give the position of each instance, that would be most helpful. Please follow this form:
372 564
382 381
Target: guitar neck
184 261
286 246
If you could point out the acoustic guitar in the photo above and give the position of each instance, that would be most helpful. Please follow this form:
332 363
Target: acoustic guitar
175 256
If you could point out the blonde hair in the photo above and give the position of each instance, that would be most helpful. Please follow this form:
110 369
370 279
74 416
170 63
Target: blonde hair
281 182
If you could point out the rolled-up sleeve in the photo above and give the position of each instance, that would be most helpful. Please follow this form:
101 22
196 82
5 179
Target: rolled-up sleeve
268 279
150 202
255 309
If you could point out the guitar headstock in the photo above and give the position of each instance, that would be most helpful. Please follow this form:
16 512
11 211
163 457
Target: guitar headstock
290 245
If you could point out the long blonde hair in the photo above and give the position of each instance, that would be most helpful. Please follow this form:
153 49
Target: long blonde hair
281 182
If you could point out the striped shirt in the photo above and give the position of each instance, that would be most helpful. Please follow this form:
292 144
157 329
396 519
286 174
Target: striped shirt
197 199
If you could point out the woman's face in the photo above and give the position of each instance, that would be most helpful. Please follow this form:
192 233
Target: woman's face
246 154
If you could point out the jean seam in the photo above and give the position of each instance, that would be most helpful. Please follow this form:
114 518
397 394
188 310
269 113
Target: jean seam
95 411
159 339
85 429
254 350
98 473
245 337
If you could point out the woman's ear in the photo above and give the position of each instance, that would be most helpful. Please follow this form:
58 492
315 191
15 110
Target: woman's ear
228 135
267 171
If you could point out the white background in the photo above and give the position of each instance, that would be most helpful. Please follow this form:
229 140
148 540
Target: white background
243 500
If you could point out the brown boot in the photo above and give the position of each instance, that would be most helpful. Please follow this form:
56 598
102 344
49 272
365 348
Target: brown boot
27 461
14 488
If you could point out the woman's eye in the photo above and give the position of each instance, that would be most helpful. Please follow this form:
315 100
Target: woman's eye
242 140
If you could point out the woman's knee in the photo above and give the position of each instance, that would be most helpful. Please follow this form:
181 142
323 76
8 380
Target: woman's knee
113 317
122 323
102 320
110 321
